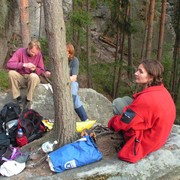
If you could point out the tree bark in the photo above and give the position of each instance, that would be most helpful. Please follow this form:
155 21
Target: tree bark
24 15
161 31
175 73
150 29
145 33
64 130
130 63
115 71
88 48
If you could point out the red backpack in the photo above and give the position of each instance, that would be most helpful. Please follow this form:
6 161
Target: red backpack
31 124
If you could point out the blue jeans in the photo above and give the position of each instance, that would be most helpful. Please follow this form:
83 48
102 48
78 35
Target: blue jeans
78 107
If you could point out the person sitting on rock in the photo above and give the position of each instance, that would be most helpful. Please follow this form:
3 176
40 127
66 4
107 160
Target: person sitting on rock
25 67
146 120
73 63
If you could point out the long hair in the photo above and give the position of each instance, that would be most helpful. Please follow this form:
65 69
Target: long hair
155 69
70 49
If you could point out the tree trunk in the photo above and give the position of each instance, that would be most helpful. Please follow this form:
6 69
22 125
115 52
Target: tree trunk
120 65
145 33
161 31
130 63
64 130
175 73
88 48
115 74
40 21
24 14
150 29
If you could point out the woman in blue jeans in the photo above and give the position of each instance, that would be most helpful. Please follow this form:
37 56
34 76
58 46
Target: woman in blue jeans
74 68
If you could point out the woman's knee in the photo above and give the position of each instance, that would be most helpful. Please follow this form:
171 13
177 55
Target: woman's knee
120 103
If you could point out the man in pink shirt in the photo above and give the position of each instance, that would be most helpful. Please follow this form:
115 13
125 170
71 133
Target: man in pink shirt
25 66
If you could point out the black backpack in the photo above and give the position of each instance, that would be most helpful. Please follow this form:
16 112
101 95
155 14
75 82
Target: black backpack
9 120
10 111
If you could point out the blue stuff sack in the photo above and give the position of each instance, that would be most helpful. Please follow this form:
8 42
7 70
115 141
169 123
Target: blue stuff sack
79 153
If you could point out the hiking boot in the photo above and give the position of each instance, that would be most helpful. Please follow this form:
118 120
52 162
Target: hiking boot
19 101
27 104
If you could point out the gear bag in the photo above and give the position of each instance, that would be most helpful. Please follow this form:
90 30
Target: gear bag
31 124
76 154
9 120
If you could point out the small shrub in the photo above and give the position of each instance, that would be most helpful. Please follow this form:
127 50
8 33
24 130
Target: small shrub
4 83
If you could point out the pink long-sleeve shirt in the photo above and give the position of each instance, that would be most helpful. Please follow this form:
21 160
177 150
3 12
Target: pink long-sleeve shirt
20 57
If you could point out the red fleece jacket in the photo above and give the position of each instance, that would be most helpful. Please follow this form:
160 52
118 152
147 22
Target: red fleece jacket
146 123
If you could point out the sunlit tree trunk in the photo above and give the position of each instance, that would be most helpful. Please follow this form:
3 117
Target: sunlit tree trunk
40 18
24 15
161 31
64 130
150 29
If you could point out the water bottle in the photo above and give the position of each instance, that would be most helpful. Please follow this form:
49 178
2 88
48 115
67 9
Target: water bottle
20 133
48 146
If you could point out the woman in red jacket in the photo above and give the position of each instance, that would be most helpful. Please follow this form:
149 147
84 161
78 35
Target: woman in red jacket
146 120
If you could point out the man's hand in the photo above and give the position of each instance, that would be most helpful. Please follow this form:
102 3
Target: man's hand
30 66
47 74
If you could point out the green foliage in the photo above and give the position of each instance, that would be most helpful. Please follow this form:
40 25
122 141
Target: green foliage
4 83
44 50
80 18
167 61
102 77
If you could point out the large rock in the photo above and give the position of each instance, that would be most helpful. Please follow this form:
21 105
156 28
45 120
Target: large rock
97 106
161 164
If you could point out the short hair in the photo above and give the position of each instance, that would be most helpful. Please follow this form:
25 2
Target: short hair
34 43
155 69
70 49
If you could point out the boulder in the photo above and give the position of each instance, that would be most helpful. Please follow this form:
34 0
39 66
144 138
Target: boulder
161 164
97 106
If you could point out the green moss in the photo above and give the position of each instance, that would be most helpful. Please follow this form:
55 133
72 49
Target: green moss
4 83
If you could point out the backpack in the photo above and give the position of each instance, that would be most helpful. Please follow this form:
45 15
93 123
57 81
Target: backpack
9 120
10 111
31 124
